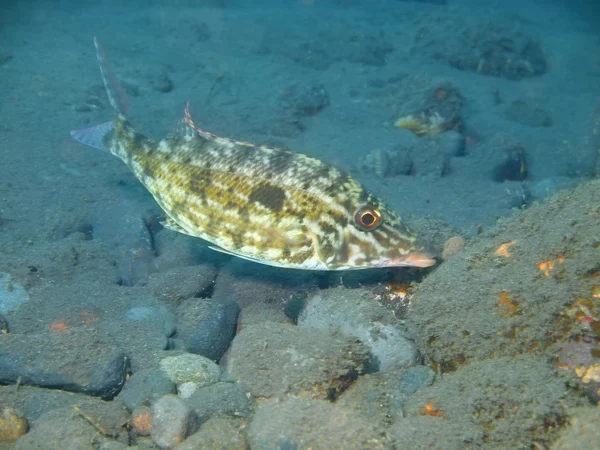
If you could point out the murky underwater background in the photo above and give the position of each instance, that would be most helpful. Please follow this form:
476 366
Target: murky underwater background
478 121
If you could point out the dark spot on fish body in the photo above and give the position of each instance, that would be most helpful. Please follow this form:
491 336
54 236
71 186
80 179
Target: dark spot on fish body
271 197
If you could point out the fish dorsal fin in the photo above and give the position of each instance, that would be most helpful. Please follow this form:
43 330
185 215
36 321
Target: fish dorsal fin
114 91
213 137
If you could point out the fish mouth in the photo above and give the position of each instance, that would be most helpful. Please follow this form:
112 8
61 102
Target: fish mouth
411 260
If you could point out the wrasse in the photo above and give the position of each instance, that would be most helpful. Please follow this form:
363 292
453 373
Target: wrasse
263 204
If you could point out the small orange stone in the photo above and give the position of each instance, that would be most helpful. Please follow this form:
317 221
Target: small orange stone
502 249
431 410
452 246
545 267
508 307
58 327
142 423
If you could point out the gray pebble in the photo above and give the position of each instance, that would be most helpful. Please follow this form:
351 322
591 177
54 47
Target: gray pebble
189 367
207 326
183 282
145 386
219 399
218 433
172 421
355 315
162 82
275 359
122 228
93 364
157 316
12 294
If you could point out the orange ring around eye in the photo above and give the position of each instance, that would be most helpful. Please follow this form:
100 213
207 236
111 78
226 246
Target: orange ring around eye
367 219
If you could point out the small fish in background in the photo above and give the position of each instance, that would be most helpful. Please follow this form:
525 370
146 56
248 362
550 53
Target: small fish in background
263 204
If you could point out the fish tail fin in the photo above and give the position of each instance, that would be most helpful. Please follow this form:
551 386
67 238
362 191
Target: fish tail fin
114 91
97 136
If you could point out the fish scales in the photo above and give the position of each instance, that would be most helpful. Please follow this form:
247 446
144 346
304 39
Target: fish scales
268 205
230 194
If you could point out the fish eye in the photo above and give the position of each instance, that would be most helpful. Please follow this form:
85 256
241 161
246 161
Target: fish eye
367 218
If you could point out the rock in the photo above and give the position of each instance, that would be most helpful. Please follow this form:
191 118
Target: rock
189 367
507 402
5 58
307 100
427 432
310 423
387 163
380 397
12 294
513 164
141 420
451 143
371 396
582 432
217 433
219 399
182 283
489 50
185 390
523 112
202 31
260 313
175 250
144 340
247 283
372 51
89 362
157 317
548 187
274 359
3 325
207 326
145 386
122 228
414 378
33 402
511 290
172 421
401 385
67 425
452 246
161 82
12 425
357 314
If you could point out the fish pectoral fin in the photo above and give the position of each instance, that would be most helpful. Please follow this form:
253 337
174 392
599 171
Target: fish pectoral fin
170 224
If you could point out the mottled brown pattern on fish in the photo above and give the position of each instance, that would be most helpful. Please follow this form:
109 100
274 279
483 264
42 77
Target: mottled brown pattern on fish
261 202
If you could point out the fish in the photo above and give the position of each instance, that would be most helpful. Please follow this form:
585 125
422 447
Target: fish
263 204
